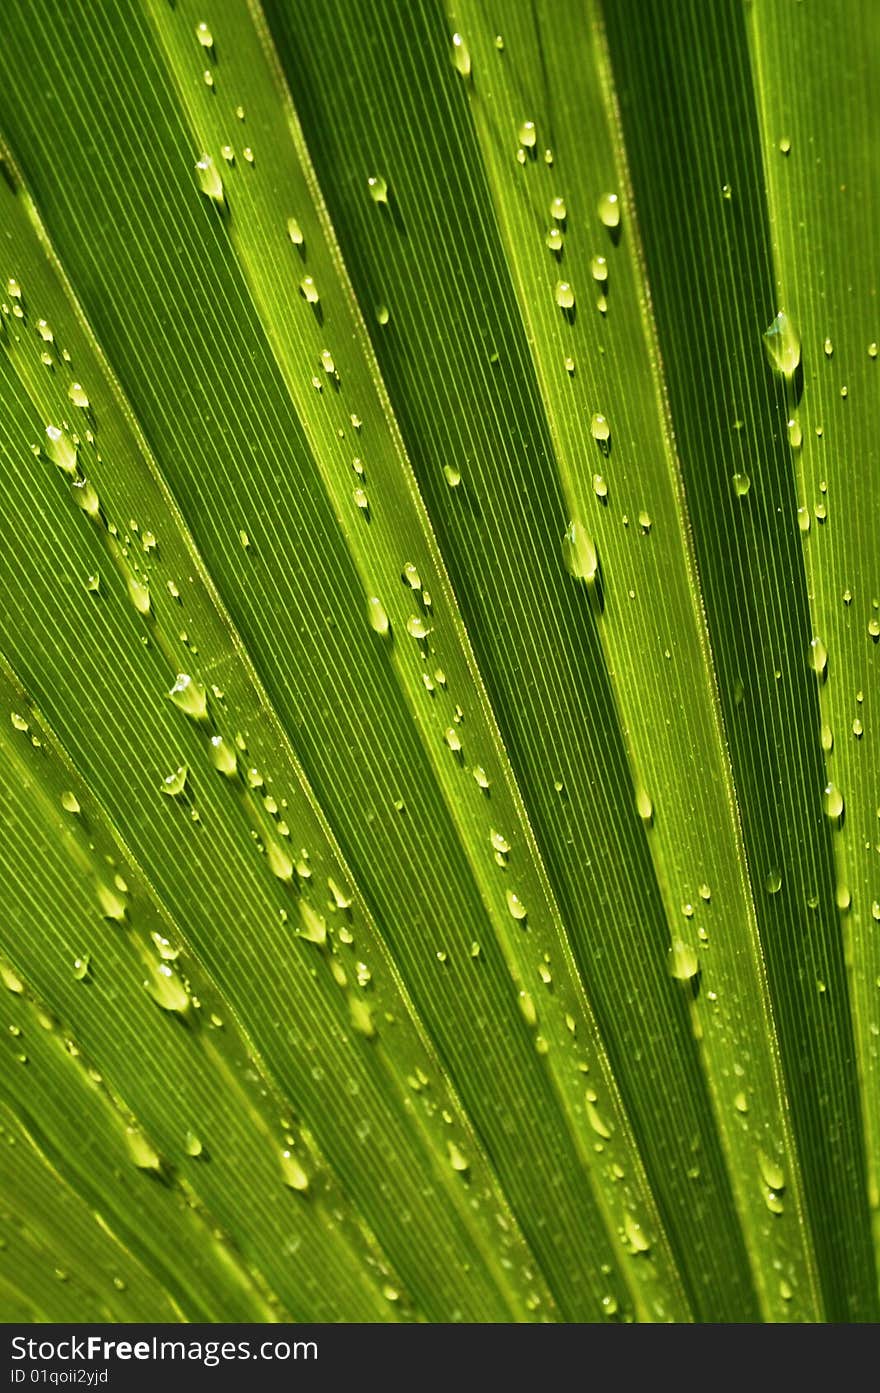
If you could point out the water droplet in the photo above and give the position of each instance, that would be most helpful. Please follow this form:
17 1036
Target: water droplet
294 232
312 924
872 350
480 776
377 617
461 57
10 979
818 658
451 737
309 290
785 145
554 240
644 806
558 210
773 881
361 1017
564 295
527 135
741 1102
783 345
77 395
595 1118
635 1234
515 906
499 843
139 594
609 210
599 268
772 1172
453 478
600 429
141 1152
416 627
726 191
579 554
204 35
795 434
45 332
292 1173
833 802
61 449
683 961
457 1158
527 1008
223 756
192 1144
166 988
741 485
210 182
280 863
174 784
190 697
411 576
378 188
874 629
166 949
112 904
340 899
600 487
70 802
81 968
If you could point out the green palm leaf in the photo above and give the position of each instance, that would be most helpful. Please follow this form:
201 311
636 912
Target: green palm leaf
439 643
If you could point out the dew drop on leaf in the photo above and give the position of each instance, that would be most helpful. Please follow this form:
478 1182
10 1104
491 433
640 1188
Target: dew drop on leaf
782 345
683 961
166 988
377 617
209 179
174 784
61 449
292 1173
223 756
600 429
457 1159
609 210
818 657
741 484
190 697
192 1144
515 906
461 57
578 553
